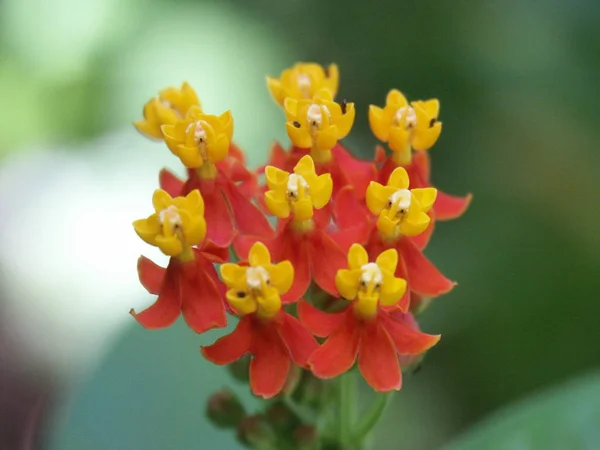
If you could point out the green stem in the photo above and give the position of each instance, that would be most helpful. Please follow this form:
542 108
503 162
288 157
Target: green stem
346 407
371 417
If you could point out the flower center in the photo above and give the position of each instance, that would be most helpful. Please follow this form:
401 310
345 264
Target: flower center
406 116
297 187
370 282
304 85
257 277
314 115
399 203
371 273
170 216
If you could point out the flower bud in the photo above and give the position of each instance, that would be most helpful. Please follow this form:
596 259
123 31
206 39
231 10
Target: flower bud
224 409
255 432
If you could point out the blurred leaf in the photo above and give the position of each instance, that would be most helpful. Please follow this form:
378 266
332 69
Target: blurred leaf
567 417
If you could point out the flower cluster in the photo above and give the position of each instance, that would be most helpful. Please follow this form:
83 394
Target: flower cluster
340 276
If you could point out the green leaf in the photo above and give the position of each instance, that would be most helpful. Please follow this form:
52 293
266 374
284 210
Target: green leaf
566 417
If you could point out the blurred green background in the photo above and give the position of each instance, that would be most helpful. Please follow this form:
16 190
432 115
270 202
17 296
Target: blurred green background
518 85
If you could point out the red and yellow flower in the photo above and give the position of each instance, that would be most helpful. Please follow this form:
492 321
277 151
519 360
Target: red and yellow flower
301 237
303 81
189 285
368 329
274 338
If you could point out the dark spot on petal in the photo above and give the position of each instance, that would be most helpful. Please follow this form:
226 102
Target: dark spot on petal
344 106
296 124
326 70
241 294
432 122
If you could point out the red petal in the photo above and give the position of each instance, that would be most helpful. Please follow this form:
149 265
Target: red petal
449 207
202 302
401 272
359 173
380 155
423 277
338 353
220 228
405 333
166 308
320 323
277 156
348 211
215 253
296 250
322 217
271 363
170 183
377 359
299 341
150 274
249 218
236 153
231 347
326 258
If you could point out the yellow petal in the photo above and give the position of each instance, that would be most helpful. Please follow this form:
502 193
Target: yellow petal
425 139
276 178
396 98
399 178
386 225
190 156
357 256
148 229
277 205
219 150
303 209
241 302
345 121
392 290
398 139
232 274
259 255
332 79
161 200
195 232
305 166
321 190
165 115
431 107
377 197
290 106
379 125
275 89
282 276
169 245
425 196
327 138
388 260
416 226
148 128
300 137
323 95
346 282
226 120
168 133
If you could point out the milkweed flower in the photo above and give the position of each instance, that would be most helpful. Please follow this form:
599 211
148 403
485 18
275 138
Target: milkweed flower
299 199
168 107
406 126
368 329
274 338
189 285
303 81
446 206
402 214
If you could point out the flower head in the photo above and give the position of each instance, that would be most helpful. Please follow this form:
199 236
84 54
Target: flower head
256 288
401 211
405 125
199 138
370 283
318 123
168 107
302 81
176 225
297 193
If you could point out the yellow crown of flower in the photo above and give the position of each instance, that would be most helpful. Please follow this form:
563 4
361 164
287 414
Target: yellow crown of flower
403 125
297 193
401 211
370 283
318 123
168 107
302 81
199 137
256 288
176 225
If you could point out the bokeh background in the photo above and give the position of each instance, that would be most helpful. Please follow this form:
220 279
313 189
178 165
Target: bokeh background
518 82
